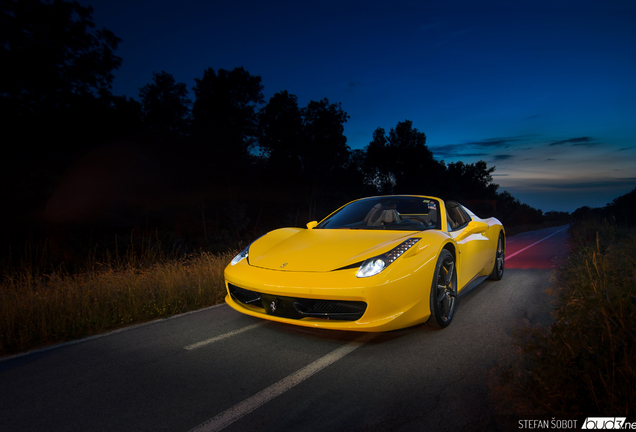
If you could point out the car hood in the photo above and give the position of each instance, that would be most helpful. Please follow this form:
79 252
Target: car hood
321 250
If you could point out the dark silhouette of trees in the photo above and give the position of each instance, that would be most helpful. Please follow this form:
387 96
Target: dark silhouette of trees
52 55
621 211
401 162
326 149
471 181
557 216
55 103
224 132
415 168
623 208
57 70
326 146
511 211
224 117
376 159
125 115
282 145
55 81
282 138
166 107
305 149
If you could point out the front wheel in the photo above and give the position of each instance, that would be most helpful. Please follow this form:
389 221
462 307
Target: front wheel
443 291
500 259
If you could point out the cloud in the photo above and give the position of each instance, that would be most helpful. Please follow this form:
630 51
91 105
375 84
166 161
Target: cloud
573 141
502 157
463 150
454 155
496 142
454 151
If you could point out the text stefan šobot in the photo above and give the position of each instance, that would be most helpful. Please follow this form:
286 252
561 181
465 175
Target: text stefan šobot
588 423
547 424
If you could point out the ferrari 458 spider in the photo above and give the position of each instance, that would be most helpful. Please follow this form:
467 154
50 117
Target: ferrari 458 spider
375 264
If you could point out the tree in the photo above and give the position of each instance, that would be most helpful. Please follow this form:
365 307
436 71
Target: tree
327 148
55 81
326 152
623 208
224 115
377 164
512 212
166 107
415 169
281 135
52 55
472 181
307 154
401 162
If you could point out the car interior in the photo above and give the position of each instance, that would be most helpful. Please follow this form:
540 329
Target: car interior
456 217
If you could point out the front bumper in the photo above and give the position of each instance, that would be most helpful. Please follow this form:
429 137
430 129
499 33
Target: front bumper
298 307
396 298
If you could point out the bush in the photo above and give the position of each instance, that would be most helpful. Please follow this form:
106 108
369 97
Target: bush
585 363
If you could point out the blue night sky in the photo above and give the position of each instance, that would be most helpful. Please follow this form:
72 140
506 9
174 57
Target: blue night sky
543 91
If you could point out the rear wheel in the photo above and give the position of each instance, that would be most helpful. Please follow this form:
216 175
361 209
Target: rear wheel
443 291
500 259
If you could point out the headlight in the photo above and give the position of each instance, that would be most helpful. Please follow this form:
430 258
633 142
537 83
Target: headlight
237 259
375 265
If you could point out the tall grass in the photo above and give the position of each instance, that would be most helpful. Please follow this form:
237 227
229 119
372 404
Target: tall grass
585 362
38 308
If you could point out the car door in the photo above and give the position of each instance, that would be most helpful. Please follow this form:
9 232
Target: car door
471 242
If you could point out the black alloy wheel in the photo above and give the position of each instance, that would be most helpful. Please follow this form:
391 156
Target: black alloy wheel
500 259
443 291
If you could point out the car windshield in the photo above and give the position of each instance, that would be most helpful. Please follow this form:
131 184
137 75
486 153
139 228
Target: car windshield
404 213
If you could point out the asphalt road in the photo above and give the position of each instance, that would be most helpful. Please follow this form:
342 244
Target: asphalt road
217 369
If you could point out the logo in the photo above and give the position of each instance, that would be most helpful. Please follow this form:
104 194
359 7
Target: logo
284 264
272 306
604 423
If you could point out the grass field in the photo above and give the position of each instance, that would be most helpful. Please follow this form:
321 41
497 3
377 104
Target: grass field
38 309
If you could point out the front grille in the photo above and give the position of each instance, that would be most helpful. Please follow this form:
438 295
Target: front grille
334 306
297 307
245 296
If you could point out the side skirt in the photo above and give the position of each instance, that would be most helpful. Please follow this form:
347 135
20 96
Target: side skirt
472 285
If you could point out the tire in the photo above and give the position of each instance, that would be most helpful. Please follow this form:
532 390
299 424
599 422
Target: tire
500 259
443 291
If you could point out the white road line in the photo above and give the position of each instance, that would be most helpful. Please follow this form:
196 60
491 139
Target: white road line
239 410
528 247
223 336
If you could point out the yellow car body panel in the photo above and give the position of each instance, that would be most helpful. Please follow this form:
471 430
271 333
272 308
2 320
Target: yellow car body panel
320 250
477 254
322 264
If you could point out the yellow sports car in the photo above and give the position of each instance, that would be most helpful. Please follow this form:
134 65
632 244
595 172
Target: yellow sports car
375 264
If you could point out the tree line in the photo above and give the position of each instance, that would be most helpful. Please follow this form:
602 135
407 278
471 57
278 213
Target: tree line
224 166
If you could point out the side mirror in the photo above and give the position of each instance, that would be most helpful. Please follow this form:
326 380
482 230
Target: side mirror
312 224
473 227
